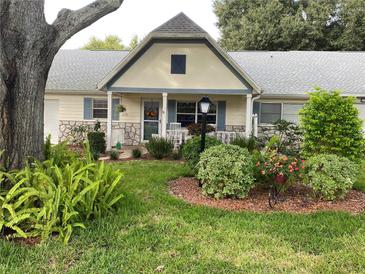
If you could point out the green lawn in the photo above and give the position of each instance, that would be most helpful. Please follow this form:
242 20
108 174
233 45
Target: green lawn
153 229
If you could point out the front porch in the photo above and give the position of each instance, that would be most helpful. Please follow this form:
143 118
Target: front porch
167 115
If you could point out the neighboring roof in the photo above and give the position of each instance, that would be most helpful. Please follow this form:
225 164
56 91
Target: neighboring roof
81 69
297 72
179 24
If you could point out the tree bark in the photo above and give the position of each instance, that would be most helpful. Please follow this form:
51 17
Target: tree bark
28 45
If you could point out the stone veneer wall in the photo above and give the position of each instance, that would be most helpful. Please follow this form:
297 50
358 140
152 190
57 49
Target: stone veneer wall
237 129
67 132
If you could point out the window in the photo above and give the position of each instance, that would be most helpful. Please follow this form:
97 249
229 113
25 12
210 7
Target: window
188 113
270 113
100 108
291 112
178 64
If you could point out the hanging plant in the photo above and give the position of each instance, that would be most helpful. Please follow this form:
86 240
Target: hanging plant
121 108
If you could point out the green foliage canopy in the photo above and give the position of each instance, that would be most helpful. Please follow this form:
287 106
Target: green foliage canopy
291 25
331 124
111 42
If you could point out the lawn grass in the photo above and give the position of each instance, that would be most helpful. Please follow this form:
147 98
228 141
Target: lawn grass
154 230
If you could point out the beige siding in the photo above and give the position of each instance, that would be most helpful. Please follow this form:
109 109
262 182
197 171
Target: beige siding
235 106
71 107
204 70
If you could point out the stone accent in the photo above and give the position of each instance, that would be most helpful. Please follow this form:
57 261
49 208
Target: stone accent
76 131
236 128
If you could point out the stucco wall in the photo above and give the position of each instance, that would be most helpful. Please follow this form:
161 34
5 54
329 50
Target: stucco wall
204 70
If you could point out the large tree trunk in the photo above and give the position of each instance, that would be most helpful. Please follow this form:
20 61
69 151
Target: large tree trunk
27 48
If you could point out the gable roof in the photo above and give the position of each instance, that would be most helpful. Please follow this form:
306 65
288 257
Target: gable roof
179 28
179 24
81 69
297 72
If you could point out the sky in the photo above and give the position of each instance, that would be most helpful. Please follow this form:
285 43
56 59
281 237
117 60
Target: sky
135 17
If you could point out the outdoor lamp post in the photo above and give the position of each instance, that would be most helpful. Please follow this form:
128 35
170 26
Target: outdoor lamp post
204 105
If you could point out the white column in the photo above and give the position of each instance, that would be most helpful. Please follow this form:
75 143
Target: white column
164 115
248 115
255 125
109 122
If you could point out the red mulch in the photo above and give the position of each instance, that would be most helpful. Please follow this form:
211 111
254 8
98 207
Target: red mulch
297 199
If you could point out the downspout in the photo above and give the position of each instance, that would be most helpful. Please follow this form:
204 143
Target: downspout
255 121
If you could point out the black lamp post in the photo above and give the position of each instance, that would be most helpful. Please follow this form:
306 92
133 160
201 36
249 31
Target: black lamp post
204 105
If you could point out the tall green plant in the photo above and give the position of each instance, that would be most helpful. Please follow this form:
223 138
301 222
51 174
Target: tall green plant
331 124
45 198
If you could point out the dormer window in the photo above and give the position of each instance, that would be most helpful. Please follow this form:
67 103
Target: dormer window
178 64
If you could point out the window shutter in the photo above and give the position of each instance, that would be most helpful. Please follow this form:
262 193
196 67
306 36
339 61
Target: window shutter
221 116
115 112
171 111
88 108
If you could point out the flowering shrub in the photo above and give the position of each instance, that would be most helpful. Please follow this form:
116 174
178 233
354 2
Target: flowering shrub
330 176
280 170
226 171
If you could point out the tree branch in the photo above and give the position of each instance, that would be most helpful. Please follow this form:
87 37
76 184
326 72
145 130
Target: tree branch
70 22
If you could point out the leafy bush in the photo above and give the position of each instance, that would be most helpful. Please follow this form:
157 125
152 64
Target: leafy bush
60 155
114 155
191 149
332 126
47 147
97 143
45 199
159 147
288 137
330 176
250 143
226 171
196 129
136 153
280 171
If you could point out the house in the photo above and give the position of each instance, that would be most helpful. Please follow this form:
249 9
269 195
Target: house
161 81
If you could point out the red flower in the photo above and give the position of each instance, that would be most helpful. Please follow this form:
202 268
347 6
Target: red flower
262 172
258 164
302 167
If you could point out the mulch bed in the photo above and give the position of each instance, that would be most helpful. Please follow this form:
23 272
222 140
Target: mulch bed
298 199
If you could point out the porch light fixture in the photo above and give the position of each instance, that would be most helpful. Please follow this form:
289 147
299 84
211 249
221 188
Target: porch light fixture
204 105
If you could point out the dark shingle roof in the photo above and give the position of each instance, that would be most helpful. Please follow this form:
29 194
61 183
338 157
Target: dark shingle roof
81 69
180 24
297 72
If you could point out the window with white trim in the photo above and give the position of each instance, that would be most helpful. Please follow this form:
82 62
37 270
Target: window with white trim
269 113
100 109
189 113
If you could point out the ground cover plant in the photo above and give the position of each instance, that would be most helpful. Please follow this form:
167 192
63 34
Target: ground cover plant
154 231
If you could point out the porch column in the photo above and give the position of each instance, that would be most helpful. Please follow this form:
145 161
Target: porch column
164 115
109 122
248 115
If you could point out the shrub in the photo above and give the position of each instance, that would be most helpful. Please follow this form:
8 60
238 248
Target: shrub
114 155
47 147
280 171
330 176
46 199
60 155
250 143
332 126
196 129
136 153
97 143
226 171
191 149
159 147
